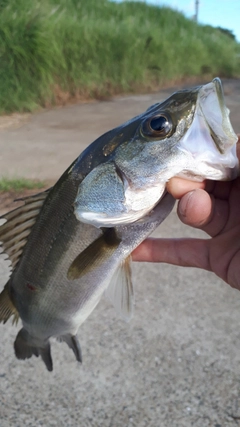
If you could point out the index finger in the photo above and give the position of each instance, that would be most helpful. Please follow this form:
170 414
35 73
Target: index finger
177 187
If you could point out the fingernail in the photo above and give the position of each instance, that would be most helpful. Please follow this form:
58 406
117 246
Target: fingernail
184 203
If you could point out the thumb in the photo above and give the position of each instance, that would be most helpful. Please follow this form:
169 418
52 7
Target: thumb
195 208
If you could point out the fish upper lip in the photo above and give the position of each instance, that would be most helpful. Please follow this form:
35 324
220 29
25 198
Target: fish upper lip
224 110
216 115
219 89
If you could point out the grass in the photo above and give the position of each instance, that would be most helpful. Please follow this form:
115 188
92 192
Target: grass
19 184
54 50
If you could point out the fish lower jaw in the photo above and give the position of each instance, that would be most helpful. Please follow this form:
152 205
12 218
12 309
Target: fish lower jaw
209 164
210 174
100 219
218 168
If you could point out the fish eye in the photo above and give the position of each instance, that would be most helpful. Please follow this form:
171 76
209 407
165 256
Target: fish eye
159 126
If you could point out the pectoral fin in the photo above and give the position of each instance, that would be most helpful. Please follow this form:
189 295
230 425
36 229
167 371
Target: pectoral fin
120 290
94 255
7 308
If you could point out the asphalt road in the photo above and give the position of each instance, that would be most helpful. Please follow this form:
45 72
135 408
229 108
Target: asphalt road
176 364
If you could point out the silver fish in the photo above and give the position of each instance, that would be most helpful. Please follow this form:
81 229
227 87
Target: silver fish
73 242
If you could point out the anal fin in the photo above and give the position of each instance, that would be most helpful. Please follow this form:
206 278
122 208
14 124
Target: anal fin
7 308
120 290
73 343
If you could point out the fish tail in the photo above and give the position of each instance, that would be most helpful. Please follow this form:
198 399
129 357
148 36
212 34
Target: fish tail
25 348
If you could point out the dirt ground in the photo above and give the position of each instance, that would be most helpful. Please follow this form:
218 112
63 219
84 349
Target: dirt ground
177 363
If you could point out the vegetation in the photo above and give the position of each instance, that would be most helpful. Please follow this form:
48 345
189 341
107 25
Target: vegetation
19 184
53 50
227 32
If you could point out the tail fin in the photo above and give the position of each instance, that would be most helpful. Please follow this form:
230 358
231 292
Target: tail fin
25 348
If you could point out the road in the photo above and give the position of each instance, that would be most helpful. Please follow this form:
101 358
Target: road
177 363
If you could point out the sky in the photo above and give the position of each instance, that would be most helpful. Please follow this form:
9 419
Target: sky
218 13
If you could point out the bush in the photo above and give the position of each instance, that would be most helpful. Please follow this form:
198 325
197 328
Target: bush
53 50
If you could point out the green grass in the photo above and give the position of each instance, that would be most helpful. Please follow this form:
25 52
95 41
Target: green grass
52 50
19 184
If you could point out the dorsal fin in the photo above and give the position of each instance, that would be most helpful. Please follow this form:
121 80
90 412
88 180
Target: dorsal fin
19 222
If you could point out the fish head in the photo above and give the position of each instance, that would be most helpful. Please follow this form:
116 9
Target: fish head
187 135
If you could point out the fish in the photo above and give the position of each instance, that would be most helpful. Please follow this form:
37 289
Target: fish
73 242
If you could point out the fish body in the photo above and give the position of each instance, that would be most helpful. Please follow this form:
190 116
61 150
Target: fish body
73 242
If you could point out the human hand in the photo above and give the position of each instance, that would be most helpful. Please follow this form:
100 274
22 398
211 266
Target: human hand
213 207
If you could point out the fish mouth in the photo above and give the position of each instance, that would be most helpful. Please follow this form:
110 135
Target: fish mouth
216 114
211 140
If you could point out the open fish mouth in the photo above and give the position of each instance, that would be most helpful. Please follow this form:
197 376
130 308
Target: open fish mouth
217 115
214 150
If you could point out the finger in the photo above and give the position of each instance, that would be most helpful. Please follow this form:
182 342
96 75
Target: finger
234 205
199 209
195 208
182 252
177 187
220 189
238 147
